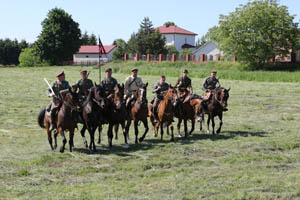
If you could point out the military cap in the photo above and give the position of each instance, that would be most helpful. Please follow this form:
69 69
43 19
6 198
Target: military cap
108 70
213 71
83 71
60 74
185 71
134 70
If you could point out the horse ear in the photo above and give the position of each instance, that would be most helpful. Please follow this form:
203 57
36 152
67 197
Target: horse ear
228 89
70 90
146 84
96 84
123 85
170 85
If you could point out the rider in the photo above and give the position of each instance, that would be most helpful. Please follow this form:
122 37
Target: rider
53 107
209 84
159 88
84 85
184 85
132 83
109 83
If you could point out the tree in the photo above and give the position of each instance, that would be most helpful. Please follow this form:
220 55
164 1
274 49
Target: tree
60 37
169 23
85 38
93 39
170 49
257 32
147 40
121 49
10 51
210 36
29 58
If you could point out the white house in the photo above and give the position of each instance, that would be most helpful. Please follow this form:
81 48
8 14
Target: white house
90 54
210 49
178 37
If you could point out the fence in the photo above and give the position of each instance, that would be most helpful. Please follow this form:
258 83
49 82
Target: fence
174 58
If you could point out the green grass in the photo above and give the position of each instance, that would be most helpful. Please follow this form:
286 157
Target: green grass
257 155
226 70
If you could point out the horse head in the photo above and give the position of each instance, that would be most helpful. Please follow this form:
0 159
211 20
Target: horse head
172 95
119 96
142 93
223 96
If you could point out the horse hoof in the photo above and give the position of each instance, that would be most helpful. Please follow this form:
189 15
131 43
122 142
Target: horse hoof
61 150
172 140
126 146
155 135
141 139
207 131
179 136
99 142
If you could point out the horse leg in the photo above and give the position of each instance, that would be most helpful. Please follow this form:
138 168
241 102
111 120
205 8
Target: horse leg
62 149
49 137
71 142
208 120
145 122
124 133
185 128
116 131
178 127
221 122
136 130
55 138
193 127
161 131
92 130
127 128
110 134
99 132
82 132
213 125
172 133
203 120
168 131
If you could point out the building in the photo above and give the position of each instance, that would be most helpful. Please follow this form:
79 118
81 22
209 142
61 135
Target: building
178 37
210 49
89 54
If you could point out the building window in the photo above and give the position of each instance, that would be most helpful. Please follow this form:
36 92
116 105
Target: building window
86 56
185 40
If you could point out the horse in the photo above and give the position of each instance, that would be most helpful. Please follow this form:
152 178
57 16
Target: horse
92 114
166 112
65 119
117 114
139 112
216 102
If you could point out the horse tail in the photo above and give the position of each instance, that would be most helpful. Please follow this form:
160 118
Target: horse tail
41 117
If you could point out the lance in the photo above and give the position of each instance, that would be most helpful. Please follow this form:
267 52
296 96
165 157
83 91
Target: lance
52 92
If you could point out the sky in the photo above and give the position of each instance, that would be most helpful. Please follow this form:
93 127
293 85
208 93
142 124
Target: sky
113 19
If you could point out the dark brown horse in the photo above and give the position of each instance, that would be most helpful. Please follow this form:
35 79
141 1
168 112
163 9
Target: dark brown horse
216 102
139 112
166 112
92 113
66 119
117 114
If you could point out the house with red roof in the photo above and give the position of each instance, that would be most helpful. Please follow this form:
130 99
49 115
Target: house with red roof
90 54
178 37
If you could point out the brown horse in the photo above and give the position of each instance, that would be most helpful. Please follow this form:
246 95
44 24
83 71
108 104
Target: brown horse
166 112
187 113
139 112
217 101
66 119
117 114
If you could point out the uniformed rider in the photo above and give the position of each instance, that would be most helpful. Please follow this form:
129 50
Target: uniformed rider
53 107
159 89
132 84
84 85
109 83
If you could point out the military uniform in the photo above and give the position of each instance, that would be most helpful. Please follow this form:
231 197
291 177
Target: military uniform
210 83
132 85
184 83
84 85
109 84
158 89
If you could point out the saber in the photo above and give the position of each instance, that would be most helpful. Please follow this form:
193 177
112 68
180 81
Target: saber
49 86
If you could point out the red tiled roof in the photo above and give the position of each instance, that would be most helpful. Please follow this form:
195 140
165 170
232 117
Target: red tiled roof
174 29
95 48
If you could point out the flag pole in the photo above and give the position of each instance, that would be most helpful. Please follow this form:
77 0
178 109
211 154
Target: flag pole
99 60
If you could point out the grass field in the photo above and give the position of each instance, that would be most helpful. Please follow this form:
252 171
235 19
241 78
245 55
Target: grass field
257 155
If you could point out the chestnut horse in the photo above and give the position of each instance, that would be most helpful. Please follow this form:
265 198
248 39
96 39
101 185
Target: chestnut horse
217 100
166 112
139 112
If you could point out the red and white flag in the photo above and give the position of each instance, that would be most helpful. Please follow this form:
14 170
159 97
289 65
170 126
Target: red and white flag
101 48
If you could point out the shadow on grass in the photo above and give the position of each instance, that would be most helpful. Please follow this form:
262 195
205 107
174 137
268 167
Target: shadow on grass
147 144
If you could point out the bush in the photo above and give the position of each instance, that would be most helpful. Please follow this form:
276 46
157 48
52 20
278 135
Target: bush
29 58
